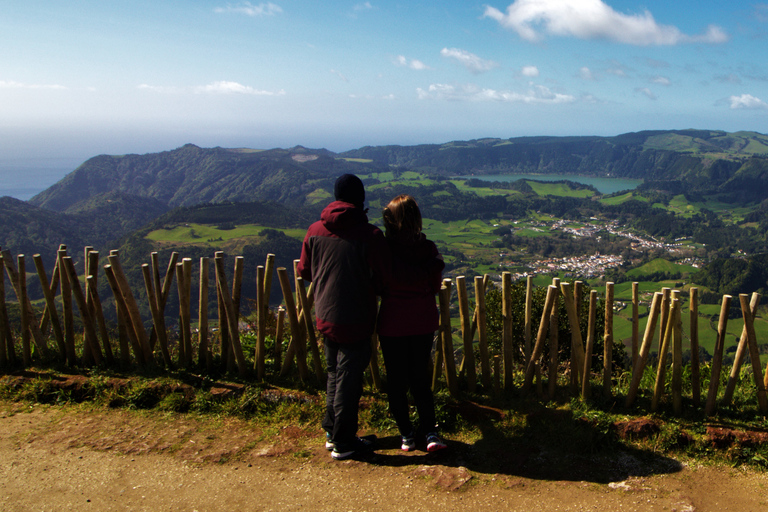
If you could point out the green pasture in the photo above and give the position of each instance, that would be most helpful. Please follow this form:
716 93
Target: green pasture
660 265
623 198
210 234
544 188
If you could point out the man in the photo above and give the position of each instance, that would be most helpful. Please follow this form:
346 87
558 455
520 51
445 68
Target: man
348 260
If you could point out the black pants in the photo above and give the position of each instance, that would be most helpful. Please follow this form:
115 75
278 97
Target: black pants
346 363
406 359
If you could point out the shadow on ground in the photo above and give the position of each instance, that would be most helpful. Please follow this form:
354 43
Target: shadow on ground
552 445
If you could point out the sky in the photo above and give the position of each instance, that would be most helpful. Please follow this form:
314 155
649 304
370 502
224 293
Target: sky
78 79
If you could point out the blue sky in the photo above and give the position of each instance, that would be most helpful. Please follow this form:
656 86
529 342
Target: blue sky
89 77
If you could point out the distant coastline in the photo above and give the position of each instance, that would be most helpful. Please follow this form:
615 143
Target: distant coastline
25 179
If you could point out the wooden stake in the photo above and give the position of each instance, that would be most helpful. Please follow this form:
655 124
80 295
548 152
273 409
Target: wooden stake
661 370
66 308
90 331
694 329
153 303
577 344
754 353
205 358
444 298
34 327
528 327
466 333
664 314
231 316
635 322
741 352
645 348
591 320
184 329
506 312
122 308
6 340
296 345
94 305
485 364
540 337
258 356
26 348
136 322
677 357
279 337
608 340
554 342
717 360
309 326
50 306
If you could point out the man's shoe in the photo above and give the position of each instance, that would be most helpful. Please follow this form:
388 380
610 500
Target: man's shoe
434 443
328 443
361 446
408 443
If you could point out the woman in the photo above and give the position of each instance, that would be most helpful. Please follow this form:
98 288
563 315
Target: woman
408 318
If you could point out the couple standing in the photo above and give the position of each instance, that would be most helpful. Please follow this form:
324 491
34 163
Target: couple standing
351 262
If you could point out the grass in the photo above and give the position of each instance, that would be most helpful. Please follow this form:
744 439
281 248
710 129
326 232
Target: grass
206 234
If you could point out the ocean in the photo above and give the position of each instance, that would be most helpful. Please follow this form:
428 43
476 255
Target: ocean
25 179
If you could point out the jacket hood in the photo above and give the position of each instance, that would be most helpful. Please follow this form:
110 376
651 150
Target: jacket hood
341 216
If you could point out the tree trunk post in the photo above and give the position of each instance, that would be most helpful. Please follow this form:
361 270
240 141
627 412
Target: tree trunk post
661 370
279 337
66 308
577 344
296 345
445 328
6 341
34 327
258 356
554 342
231 317
122 309
91 340
309 326
50 306
591 320
717 359
635 322
741 352
136 322
204 356
645 348
466 333
506 336
608 340
485 363
528 327
695 364
754 353
26 347
540 337
153 303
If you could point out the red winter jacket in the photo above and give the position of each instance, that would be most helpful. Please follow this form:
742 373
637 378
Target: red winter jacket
408 306
348 260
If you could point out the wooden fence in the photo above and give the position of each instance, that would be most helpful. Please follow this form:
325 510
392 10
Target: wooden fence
136 345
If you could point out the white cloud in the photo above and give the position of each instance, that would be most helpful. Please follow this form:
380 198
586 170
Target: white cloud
747 101
363 6
592 19
537 94
646 92
18 85
224 87
586 74
412 64
469 60
220 87
530 71
262 9
661 80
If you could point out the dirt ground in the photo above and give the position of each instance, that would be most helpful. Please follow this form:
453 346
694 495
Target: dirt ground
61 458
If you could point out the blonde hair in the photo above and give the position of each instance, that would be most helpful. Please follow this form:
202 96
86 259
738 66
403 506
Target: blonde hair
402 218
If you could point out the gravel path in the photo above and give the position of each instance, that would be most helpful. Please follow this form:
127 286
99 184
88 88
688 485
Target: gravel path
60 458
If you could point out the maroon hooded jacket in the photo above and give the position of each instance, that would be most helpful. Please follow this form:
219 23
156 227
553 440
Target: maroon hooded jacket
408 306
348 261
